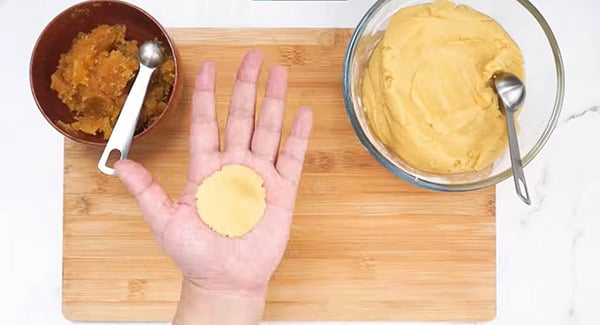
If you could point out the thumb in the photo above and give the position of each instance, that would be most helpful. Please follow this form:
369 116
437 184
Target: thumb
152 200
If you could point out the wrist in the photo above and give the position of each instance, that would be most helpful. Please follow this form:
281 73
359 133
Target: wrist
199 306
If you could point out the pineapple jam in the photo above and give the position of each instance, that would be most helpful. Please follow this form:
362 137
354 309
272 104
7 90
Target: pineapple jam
94 76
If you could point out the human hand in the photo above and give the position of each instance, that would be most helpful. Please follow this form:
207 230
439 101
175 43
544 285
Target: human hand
214 265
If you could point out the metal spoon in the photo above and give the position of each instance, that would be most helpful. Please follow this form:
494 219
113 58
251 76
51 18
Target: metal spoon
511 92
150 57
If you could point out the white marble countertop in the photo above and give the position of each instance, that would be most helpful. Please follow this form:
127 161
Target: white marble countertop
548 253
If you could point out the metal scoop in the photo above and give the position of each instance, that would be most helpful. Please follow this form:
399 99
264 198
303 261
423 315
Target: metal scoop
150 57
511 92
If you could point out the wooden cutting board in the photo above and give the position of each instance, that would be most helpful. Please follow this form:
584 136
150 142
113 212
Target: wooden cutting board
364 244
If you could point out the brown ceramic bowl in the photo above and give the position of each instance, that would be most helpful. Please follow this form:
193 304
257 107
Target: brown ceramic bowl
57 38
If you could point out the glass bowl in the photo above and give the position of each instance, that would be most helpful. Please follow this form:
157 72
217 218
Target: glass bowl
538 116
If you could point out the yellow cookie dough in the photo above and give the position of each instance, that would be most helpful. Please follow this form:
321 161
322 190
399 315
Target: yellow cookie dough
427 91
232 200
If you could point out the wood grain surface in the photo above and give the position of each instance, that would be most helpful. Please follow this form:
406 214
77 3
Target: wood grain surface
364 244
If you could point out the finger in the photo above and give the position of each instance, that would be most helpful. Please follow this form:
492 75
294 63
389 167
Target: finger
240 120
204 133
266 138
291 158
149 196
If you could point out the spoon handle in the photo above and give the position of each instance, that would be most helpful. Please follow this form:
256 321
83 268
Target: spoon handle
515 157
122 134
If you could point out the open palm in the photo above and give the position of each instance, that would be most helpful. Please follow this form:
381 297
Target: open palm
212 261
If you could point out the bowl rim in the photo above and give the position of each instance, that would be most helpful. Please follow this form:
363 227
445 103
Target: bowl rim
461 187
173 96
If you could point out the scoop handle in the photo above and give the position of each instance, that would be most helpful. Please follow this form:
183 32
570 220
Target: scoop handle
122 134
515 156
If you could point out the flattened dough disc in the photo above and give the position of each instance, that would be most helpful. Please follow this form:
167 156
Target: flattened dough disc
231 201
